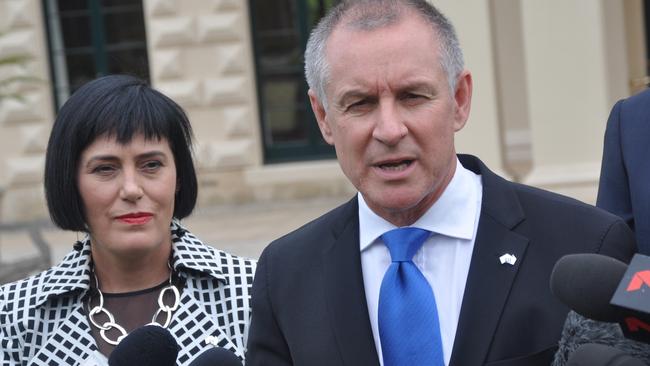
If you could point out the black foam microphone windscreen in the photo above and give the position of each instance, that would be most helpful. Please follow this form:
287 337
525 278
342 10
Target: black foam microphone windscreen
592 354
586 283
579 331
146 346
217 357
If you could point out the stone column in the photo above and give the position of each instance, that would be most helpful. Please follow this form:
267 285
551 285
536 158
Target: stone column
24 123
575 70
481 135
200 54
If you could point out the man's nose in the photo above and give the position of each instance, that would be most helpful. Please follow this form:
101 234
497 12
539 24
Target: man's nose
390 127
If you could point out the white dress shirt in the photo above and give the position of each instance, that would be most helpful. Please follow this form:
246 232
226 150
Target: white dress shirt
443 259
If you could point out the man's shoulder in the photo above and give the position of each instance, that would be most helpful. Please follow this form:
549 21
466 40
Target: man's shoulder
631 116
313 234
637 101
565 222
541 201
531 200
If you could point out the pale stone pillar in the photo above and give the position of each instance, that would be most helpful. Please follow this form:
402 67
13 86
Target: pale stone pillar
571 67
200 54
24 123
481 135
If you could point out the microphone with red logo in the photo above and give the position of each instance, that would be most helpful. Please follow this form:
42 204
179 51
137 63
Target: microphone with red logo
606 289
603 291
633 297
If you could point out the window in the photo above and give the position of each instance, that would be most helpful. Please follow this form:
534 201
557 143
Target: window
280 31
91 38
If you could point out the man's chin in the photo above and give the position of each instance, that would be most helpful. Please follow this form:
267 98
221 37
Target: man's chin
400 209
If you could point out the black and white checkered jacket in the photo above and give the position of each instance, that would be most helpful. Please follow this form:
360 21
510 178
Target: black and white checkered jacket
42 321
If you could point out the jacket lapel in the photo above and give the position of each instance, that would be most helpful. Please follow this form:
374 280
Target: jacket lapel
71 342
343 283
489 281
192 326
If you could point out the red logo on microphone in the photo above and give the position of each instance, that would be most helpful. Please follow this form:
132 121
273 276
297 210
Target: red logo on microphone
639 278
635 324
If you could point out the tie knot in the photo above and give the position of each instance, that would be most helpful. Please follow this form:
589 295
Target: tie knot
404 242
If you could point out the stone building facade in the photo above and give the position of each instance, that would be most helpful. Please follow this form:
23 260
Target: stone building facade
546 74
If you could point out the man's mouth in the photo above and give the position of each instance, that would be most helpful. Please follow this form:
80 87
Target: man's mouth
395 166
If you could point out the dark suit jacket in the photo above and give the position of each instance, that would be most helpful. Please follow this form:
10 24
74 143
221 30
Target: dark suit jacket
309 305
625 174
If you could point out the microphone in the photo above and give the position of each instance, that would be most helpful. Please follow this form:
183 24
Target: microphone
216 357
586 284
146 346
605 289
579 331
592 354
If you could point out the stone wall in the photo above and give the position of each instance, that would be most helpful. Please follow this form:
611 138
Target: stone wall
543 86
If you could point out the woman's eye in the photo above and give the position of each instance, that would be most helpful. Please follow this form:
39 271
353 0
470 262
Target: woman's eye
152 165
103 169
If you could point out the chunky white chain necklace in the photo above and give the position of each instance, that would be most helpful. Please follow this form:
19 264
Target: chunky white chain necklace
163 310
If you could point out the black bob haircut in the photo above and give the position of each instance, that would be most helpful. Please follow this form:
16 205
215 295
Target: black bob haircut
117 106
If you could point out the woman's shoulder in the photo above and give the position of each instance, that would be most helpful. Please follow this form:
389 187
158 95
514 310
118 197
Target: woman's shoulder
69 275
191 253
22 295
227 257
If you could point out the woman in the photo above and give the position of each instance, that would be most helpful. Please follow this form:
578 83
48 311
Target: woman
119 168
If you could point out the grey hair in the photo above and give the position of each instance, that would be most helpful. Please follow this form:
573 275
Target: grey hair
367 15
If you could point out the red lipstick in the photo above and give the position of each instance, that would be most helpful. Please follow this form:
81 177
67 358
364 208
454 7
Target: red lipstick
136 218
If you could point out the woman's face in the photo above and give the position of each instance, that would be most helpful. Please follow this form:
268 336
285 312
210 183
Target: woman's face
128 195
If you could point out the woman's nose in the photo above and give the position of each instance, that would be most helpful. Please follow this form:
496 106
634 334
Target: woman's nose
131 188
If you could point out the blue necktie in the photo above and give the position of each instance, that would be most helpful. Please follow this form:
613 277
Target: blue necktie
408 317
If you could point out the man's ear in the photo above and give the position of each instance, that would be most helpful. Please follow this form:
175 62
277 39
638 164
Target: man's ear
463 99
321 114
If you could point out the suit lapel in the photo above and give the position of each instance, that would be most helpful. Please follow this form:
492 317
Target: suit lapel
487 289
346 300
488 282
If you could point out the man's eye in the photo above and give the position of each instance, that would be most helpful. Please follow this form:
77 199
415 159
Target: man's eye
358 104
413 96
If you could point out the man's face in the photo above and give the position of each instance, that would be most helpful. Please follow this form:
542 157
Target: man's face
391 115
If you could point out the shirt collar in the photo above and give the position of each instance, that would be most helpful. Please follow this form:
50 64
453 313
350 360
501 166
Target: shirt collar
189 254
453 214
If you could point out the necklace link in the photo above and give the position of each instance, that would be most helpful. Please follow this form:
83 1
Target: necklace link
168 310
112 324
97 310
109 326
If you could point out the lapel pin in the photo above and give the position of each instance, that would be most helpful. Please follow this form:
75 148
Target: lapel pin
508 258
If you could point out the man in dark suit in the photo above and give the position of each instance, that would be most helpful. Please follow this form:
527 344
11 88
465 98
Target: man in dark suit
624 188
428 230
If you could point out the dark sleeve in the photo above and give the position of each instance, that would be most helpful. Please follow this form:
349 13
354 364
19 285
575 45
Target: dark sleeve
613 189
266 343
618 242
